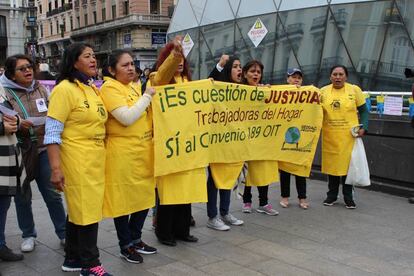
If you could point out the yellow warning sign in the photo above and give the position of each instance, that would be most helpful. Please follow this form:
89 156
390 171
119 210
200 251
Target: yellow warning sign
187 38
258 24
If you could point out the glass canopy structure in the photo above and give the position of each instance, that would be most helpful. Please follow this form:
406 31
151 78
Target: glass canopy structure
373 39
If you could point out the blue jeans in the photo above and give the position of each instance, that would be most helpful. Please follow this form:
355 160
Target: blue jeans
4 206
129 228
212 199
52 198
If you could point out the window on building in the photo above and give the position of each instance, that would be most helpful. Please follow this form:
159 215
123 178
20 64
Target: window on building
51 27
3 27
94 16
57 26
85 17
56 4
78 21
113 11
62 3
50 6
71 23
103 14
155 6
126 7
40 9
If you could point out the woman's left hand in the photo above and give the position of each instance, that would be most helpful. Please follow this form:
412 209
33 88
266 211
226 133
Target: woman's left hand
361 132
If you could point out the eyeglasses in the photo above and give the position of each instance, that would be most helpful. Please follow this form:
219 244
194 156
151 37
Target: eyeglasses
24 67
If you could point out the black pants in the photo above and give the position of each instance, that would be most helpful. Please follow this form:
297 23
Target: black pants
285 185
173 221
333 185
247 194
81 244
129 228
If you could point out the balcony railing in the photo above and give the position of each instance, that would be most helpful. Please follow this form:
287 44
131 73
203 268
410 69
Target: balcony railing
327 63
340 17
132 19
318 23
65 7
293 31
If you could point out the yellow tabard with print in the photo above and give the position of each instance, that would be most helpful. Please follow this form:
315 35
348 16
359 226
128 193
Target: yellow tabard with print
82 152
129 177
339 116
262 172
182 187
295 169
225 174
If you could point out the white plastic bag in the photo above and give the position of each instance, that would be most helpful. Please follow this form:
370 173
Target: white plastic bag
358 171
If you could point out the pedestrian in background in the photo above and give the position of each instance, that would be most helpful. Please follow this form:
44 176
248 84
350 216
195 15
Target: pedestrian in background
11 175
30 99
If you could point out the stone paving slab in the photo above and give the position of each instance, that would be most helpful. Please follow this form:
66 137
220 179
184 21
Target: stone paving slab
375 239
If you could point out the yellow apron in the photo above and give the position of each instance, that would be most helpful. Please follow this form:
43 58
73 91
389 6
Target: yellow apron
262 172
82 152
295 169
129 175
182 187
340 115
225 174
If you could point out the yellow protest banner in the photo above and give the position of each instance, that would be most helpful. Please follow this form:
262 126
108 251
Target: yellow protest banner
202 122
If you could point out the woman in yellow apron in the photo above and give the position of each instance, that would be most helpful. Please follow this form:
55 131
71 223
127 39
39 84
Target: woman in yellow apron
130 184
223 176
341 104
75 132
261 173
176 191
294 77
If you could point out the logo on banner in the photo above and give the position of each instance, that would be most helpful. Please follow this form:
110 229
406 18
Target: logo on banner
257 32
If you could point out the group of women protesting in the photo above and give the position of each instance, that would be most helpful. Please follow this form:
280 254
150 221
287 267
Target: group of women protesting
100 152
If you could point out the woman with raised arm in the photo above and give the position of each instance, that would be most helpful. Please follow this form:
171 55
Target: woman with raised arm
178 190
228 69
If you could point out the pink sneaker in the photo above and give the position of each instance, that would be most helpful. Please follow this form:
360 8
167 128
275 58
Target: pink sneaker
247 208
268 210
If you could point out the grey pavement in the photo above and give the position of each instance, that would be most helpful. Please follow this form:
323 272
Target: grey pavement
375 239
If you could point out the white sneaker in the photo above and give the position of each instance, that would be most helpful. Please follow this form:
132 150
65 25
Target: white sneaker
230 219
28 244
217 224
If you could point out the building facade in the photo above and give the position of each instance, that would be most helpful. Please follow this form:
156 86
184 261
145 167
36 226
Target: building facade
136 25
13 32
374 39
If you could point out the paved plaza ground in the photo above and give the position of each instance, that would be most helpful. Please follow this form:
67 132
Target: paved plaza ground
375 239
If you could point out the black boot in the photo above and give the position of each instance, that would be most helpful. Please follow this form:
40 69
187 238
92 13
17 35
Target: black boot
8 256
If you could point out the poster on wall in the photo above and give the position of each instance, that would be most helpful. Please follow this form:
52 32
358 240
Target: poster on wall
187 44
393 105
257 32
